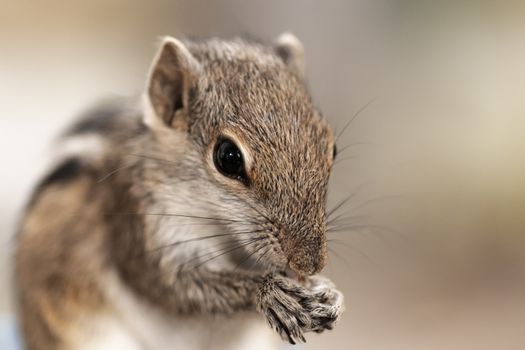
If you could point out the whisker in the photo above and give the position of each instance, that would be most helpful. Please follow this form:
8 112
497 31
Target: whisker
113 172
251 241
353 249
262 255
341 219
352 227
341 160
346 200
339 256
203 224
340 151
248 257
261 213
340 204
145 156
356 114
196 239
380 199
173 215
376 229
222 247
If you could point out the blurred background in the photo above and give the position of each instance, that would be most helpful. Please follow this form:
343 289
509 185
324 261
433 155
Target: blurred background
428 98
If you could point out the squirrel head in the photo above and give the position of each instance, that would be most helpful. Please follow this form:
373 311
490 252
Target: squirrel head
251 148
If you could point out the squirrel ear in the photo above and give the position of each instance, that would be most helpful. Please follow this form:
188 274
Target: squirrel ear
291 51
172 76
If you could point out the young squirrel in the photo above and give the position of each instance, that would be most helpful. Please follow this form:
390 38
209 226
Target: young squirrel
189 219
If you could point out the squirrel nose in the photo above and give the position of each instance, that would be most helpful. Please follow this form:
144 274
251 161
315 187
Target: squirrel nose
309 256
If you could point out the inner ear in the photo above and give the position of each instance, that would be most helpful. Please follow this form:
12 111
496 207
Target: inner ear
172 77
165 90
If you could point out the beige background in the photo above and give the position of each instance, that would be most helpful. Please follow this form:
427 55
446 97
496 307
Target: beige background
437 262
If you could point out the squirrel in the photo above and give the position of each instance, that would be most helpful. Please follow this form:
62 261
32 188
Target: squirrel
190 218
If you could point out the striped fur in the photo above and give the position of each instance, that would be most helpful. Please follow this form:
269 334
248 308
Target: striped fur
134 240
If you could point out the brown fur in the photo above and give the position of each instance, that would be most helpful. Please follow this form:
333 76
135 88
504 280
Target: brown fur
109 213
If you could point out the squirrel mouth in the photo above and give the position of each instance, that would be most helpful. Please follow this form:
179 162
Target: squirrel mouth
294 275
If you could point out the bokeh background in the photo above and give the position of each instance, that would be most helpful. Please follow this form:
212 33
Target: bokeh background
430 248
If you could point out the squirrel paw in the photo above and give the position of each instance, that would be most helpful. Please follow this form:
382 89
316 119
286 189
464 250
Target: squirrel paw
327 305
292 310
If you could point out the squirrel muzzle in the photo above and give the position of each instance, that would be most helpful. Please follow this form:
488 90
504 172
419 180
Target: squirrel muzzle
308 255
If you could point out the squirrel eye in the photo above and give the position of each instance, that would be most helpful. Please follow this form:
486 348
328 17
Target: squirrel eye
334 154
229 160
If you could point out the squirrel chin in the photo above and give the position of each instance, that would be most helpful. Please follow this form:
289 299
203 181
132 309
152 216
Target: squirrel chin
295 276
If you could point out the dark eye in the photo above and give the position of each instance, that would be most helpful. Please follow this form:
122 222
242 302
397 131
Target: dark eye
228 160
334 154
